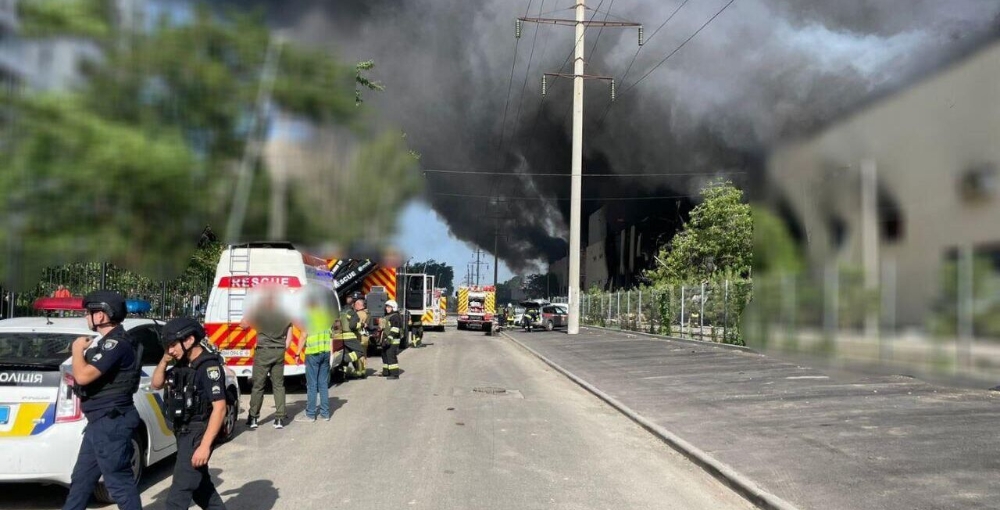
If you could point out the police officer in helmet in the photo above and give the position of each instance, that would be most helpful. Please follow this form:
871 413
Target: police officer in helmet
196 407
107 372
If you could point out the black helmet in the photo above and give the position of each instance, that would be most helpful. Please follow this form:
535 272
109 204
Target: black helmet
107 301
357 295
176 330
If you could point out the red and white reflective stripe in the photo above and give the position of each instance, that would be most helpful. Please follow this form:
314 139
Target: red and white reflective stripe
247 282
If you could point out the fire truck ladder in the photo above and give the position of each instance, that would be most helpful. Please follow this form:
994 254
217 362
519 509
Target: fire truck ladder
239 265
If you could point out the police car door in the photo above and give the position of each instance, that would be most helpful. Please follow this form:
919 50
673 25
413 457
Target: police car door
148 401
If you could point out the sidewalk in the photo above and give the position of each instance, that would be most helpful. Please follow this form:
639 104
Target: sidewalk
814 440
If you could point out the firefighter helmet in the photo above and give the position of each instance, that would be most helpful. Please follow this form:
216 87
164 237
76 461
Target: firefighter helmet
392 304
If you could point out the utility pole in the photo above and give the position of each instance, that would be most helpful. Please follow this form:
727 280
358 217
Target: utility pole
251 153
576 186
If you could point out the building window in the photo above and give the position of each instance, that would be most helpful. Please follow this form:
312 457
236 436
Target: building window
890 217
838 231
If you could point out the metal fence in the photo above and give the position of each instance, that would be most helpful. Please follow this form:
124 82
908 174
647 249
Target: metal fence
710 311
168 298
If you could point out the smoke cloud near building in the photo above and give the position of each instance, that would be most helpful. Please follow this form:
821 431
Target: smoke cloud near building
761 72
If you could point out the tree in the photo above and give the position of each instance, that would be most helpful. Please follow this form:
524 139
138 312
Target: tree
718 237
132 180
542 285
444 275
774 250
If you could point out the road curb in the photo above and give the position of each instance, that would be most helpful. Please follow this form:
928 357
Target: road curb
654 336
739 483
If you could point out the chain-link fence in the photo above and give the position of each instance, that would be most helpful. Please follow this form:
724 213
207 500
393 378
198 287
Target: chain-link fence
167 299
710 311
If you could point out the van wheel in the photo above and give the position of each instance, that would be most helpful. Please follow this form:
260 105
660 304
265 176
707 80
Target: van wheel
101 493
549 326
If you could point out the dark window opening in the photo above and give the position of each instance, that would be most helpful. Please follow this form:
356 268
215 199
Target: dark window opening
890 217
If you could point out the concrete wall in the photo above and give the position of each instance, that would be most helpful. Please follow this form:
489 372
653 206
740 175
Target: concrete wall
924 141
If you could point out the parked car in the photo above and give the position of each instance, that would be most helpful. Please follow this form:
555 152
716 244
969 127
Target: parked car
41 423
554 316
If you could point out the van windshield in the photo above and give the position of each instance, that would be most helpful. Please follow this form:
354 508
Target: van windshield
35 349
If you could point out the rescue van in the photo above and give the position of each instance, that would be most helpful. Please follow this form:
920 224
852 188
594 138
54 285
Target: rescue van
244 267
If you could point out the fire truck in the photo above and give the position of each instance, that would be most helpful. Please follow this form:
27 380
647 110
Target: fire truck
476 306
245 266
422 299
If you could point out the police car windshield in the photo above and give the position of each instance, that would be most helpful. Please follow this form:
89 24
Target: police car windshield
35 349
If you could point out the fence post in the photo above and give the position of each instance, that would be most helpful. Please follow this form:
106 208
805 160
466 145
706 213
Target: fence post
682 311
725 315
628 307
701 315
966 312
638 316
163 299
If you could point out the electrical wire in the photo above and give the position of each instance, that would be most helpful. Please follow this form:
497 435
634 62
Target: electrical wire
631 175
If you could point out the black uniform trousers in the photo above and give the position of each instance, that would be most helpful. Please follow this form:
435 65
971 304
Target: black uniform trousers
390 359
190 483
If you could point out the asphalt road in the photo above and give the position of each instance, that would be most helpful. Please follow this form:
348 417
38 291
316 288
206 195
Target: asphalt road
818 439
429 441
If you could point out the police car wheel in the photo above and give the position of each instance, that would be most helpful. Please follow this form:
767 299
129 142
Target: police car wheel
232 416
101 493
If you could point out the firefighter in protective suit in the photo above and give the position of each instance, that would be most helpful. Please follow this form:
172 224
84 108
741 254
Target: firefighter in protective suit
390 334
361 309
347 329
196 408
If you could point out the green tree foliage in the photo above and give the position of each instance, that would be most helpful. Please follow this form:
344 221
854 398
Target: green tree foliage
444 275
79 187
717 237
774 250
132 165
542 286
985 304
83 18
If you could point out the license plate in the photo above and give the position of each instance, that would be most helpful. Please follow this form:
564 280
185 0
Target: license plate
236 353
4 414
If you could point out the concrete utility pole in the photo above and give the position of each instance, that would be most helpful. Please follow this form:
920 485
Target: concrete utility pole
251 153
576 186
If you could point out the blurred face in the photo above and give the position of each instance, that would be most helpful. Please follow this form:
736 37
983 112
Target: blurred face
176 350
96 318
359 304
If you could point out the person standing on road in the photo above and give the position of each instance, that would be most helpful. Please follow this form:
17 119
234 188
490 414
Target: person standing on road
361 308
347 330
392 327
274 336
107 372
318 340
196 406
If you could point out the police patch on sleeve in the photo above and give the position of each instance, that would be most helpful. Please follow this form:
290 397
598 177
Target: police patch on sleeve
110 344
214 373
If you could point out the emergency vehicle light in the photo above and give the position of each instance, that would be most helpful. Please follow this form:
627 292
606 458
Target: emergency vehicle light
51 304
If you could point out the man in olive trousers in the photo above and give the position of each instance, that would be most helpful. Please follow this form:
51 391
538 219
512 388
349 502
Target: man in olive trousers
274 336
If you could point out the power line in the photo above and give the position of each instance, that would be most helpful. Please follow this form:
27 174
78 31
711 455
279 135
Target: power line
672 53
658 174
510 84
563 199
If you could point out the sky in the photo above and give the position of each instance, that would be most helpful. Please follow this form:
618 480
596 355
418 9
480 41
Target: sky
423 235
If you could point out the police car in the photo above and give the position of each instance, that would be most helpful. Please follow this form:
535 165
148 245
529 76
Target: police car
41 424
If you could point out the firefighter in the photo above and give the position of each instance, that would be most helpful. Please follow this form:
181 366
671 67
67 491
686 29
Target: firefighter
196 407
107 373
417 329
361 308
357 347
345 329
390 334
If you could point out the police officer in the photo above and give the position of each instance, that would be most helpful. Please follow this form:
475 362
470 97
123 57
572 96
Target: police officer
107 372
196 406
392 327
